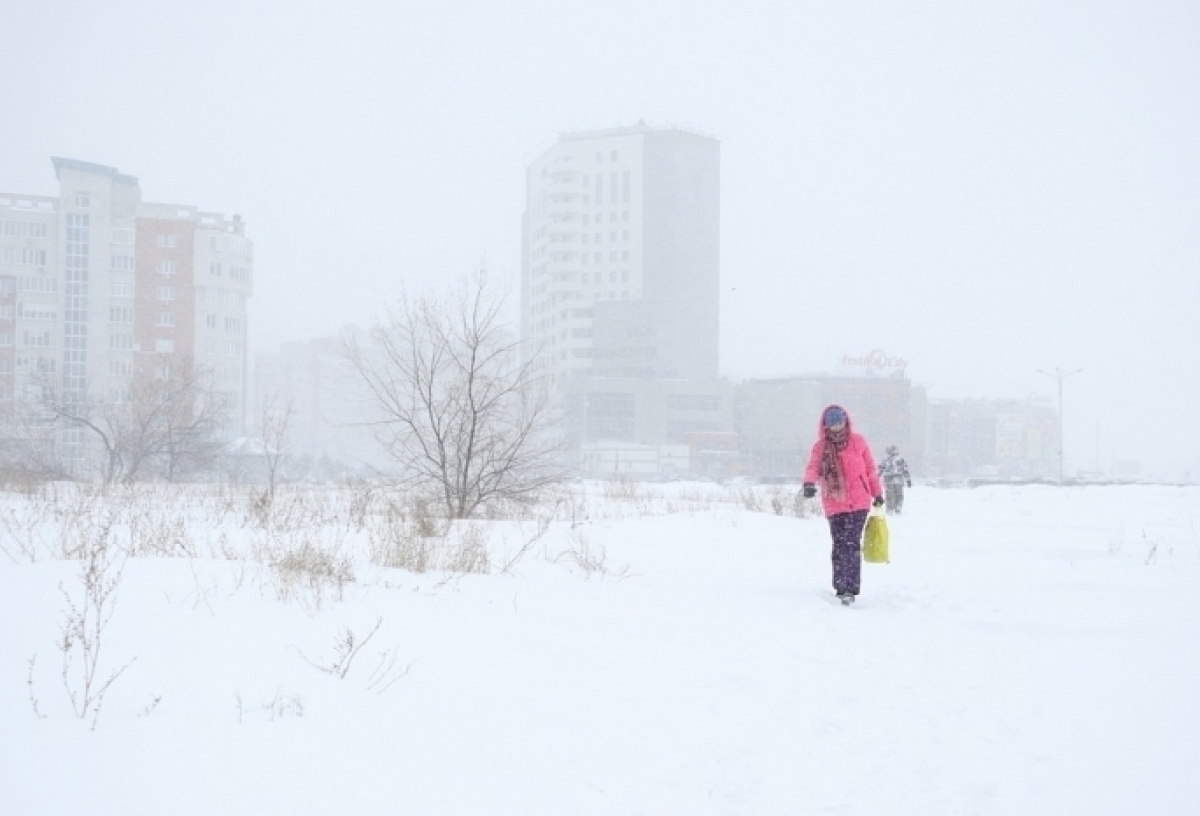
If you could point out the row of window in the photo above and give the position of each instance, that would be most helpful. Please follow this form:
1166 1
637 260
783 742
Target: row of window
229 243
38 285
23 229
30 337
612 237
599 256
22 256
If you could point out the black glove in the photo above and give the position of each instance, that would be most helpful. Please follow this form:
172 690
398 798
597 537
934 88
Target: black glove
910 482
878 502
809 490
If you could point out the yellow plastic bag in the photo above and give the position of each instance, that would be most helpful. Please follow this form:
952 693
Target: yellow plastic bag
875 540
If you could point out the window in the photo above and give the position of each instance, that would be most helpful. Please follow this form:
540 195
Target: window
599 158
120 314
83 200
122 236
625 187
22 256
162 372
165 319
42 285
233 349
165 241
6 313
210 321
624 235
122 289
120 394
240 273
233 324
613 157
625 276
120 368
625 215
37 339
6 366
164 346
120 342
625 255
612 276
22 229
612 236
166 267
122 263
214 269
6 339
37 311
166 293
587 219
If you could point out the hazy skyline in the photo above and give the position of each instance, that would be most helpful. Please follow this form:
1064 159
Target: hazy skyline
982 189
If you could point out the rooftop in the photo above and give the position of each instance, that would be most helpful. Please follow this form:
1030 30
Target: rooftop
88 167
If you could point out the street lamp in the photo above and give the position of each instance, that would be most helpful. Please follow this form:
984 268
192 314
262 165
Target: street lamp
1060 375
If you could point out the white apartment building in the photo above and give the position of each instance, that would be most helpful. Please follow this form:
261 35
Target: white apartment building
621 254
98 287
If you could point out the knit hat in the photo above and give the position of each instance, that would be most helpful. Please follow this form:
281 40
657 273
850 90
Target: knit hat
833 416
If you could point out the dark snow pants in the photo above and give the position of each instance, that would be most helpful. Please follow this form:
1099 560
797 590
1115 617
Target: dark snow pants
847 530
894 493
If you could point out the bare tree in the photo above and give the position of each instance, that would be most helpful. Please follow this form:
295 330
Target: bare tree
275 424
191 422
460 410
165 420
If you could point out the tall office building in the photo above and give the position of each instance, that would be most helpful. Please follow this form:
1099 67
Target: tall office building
621 255
100 290
620 290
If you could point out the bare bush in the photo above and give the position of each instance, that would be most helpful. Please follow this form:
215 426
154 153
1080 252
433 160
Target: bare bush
346 647
307 571
85 620
467 550
622 489
589 557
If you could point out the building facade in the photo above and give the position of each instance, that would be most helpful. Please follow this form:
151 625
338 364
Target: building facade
101 292
621 252
621 285
328 407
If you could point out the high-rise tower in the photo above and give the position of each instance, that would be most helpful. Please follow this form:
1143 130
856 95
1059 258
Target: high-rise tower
621 255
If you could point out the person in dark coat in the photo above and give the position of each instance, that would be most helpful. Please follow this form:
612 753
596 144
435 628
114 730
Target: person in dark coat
894 472
841 463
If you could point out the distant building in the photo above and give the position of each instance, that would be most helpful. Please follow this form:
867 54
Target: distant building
777 418
621 267
326 401
1007 439
98 287
621 285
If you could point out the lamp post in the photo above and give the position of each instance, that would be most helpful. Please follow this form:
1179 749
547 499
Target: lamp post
1060 375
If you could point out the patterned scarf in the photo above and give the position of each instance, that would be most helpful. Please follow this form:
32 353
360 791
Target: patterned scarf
833 481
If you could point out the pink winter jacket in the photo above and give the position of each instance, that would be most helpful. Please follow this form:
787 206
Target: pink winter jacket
858 466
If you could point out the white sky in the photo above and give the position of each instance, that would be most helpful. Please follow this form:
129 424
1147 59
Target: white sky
984 189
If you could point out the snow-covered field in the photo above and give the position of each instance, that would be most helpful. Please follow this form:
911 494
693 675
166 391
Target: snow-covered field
653 650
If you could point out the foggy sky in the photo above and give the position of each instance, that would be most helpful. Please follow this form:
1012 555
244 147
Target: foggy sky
984 189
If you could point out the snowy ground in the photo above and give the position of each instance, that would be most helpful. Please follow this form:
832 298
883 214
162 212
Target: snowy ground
1028 651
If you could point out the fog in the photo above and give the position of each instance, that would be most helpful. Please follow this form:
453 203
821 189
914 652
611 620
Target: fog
983 189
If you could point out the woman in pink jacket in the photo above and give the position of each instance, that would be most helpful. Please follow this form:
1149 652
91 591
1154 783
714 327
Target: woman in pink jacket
841 463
